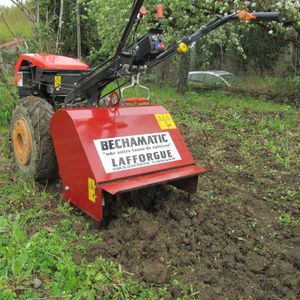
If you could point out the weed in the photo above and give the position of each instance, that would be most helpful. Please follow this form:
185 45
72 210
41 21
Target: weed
129 213
286 219
253 224
290 195
16 262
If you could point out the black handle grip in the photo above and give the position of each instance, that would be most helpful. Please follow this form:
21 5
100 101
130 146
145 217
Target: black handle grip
268 16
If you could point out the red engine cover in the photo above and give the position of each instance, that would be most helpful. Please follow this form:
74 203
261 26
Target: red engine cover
117 150
49 61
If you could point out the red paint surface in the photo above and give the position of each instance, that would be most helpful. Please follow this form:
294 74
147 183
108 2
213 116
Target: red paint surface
160 11
74 132
132 183
51 61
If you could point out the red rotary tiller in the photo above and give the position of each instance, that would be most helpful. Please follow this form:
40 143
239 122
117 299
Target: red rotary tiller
99 147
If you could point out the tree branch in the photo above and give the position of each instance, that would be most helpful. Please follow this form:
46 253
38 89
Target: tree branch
24 9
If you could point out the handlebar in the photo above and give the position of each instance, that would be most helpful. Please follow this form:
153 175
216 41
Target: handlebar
259 16
268 16
214 24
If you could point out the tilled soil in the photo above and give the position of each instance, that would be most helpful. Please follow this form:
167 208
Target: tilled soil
214 249
225 242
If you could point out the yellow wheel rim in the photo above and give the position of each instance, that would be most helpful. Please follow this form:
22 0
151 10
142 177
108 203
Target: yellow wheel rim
22 142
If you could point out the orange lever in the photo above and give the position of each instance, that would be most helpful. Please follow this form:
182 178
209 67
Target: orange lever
245 16
160 11
143 11
136 100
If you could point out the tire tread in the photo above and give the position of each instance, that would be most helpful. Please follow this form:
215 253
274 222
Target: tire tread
40 112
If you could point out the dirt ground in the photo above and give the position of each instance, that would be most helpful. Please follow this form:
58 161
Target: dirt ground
214 249
222 249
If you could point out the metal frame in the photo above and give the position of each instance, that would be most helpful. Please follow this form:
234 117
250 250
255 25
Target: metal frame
135 81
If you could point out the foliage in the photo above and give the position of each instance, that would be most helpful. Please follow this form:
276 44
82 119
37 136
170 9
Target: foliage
182 17
286 219
102 23
261 44
6 105
229 46
65 43
17 22
90 41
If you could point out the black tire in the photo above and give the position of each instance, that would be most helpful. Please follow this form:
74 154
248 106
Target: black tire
36 113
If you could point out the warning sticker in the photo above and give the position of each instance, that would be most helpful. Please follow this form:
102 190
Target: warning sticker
57 81
165 121
136 151
92 188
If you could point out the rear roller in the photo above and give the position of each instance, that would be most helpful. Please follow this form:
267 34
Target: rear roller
31 139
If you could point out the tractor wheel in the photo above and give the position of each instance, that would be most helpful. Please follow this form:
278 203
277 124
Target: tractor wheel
32 145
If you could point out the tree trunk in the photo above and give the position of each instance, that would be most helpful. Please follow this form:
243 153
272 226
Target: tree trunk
183 72
164 72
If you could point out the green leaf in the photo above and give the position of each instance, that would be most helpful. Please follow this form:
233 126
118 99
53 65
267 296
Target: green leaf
71 281
18 234
7 295
3 224
18 264
90 295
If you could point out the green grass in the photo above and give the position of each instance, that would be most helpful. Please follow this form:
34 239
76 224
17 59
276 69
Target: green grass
37 234
6 106
38 243
282 90
286 219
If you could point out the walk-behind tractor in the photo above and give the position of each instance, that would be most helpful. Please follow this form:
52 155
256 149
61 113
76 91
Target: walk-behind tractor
104 144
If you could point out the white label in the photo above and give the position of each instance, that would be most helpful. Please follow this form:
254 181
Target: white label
136 151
